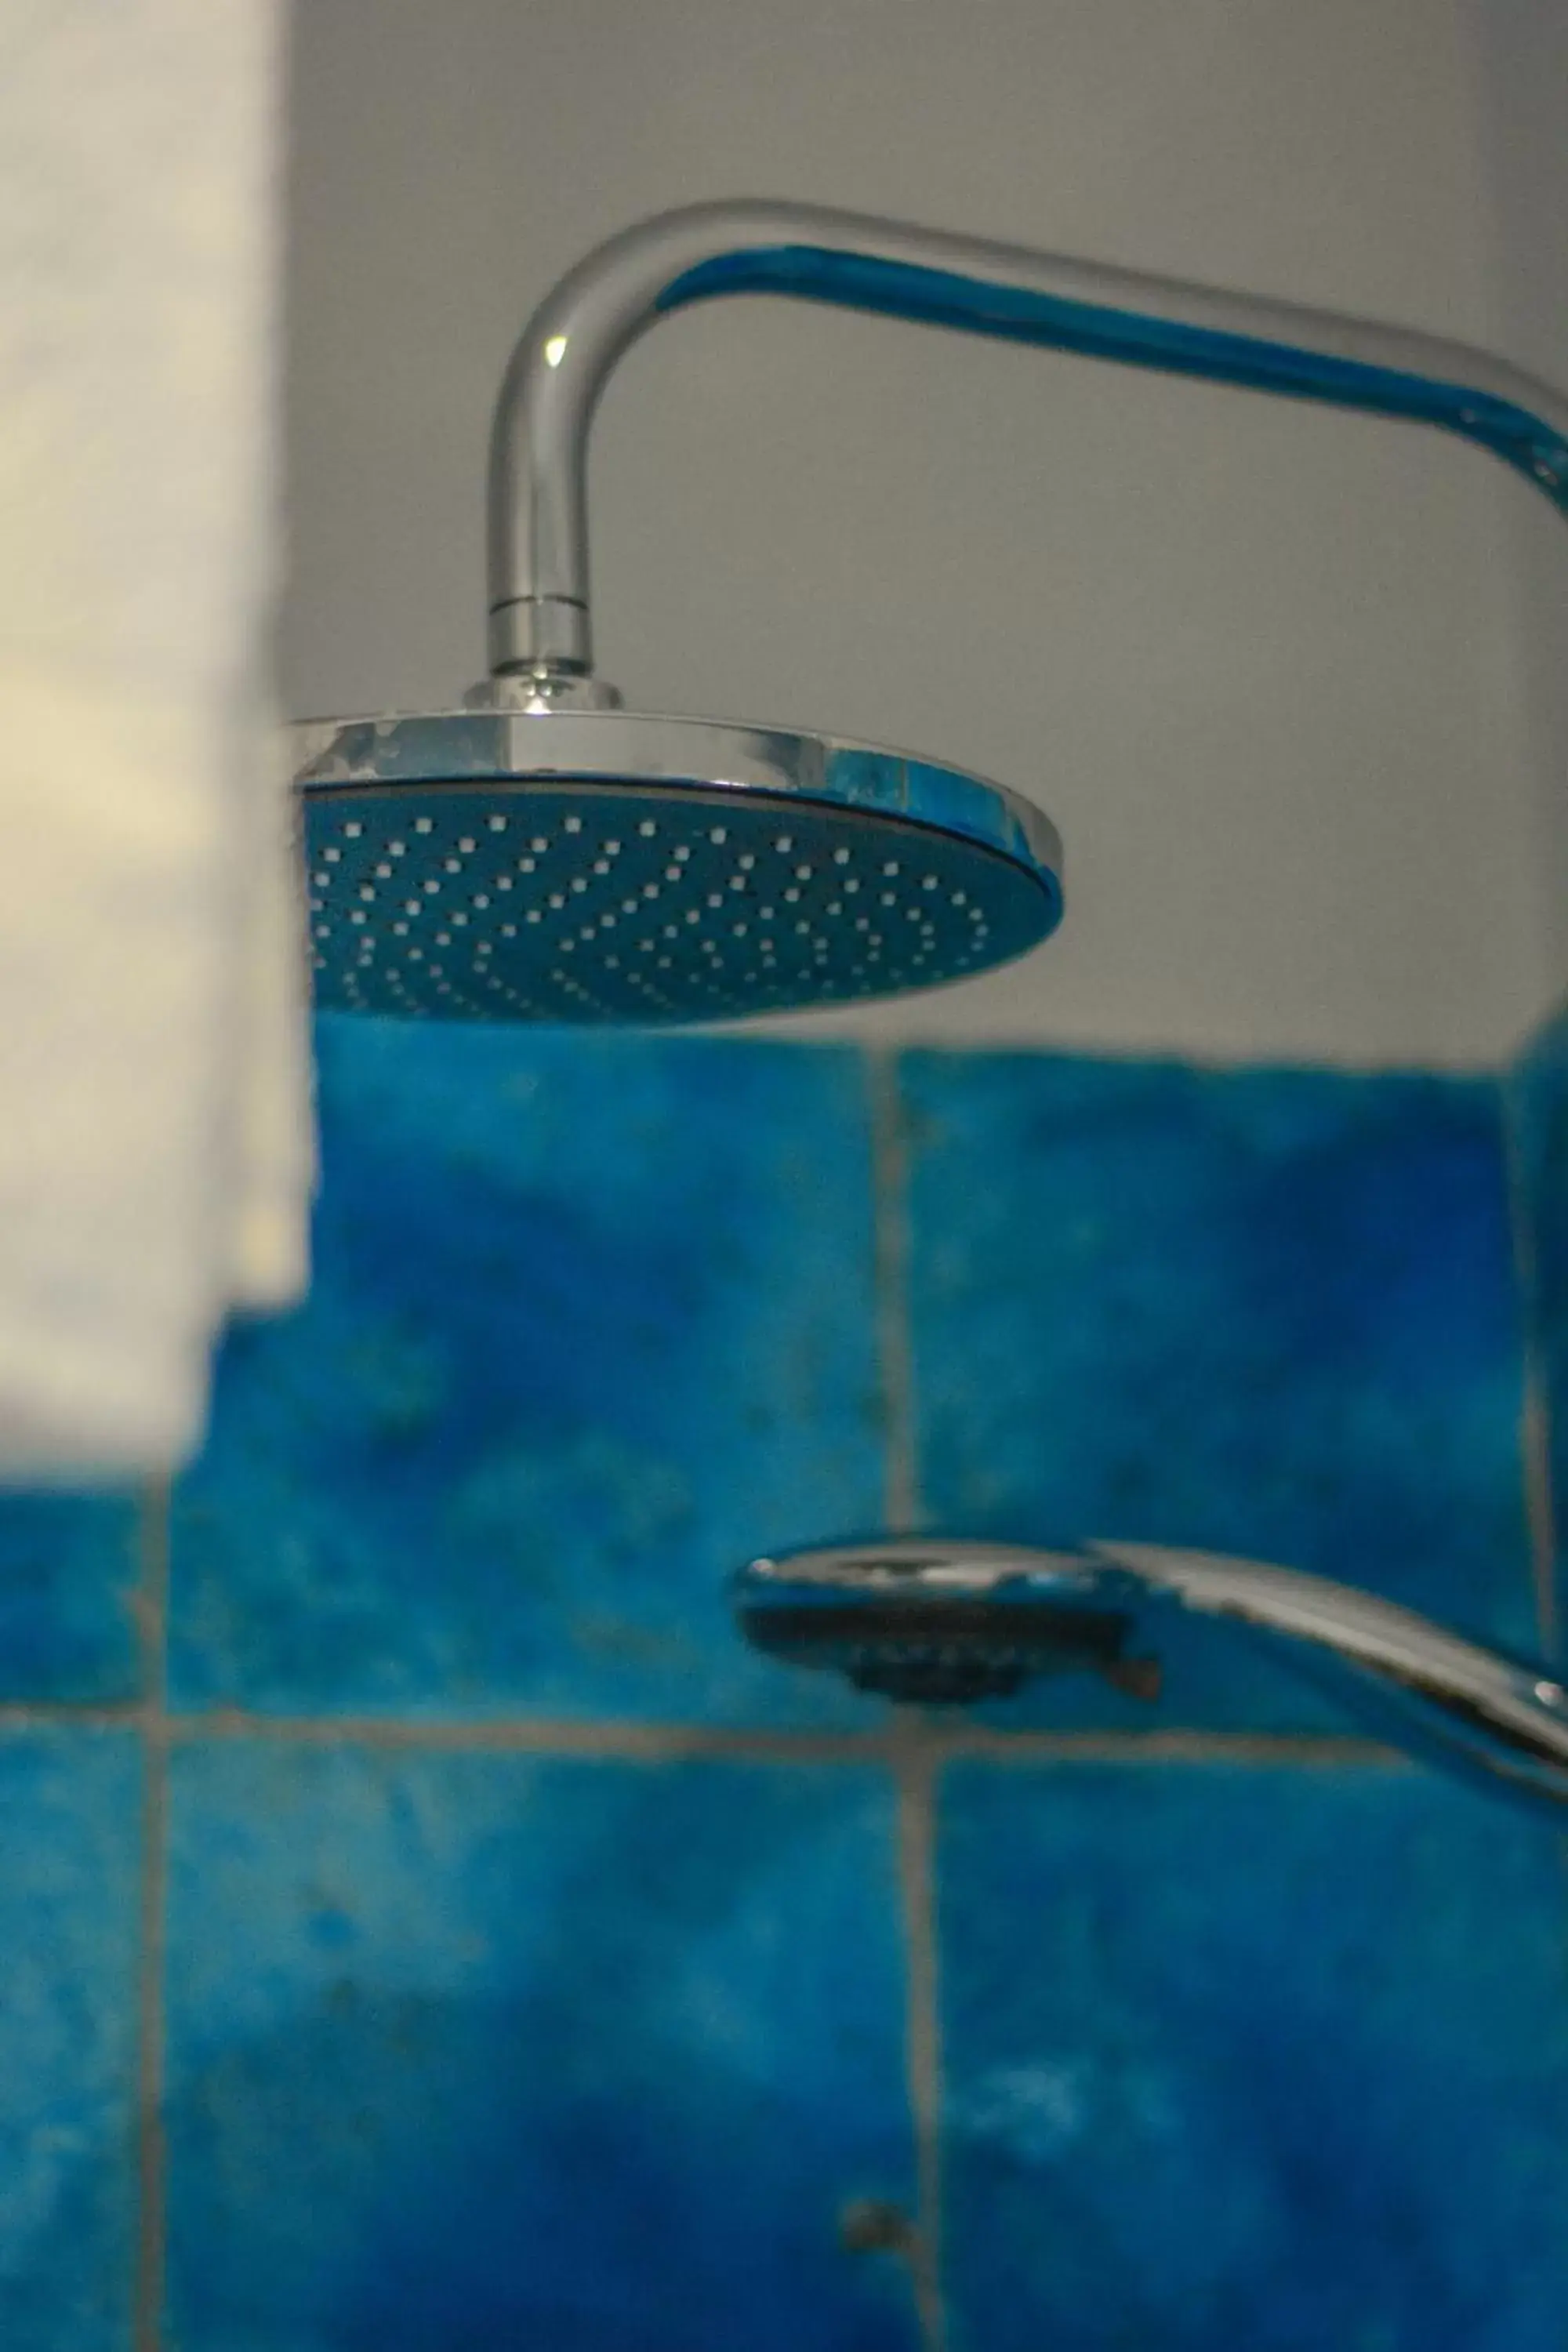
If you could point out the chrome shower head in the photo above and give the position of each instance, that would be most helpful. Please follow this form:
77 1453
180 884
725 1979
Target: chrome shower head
932 1621
596 866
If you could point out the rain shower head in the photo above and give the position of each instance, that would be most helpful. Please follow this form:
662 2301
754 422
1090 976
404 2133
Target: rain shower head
934 1621
597 865
541 854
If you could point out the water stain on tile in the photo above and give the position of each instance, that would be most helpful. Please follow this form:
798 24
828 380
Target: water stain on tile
1268 1312
69 1566
486 2049
591 1324
69 1855
1251 2055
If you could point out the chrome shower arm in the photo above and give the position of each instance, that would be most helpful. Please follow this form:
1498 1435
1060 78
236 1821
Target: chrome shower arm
1493 1719
537 507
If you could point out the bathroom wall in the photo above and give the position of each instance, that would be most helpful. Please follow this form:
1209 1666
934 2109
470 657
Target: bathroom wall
428 1926
1520 74
1260 662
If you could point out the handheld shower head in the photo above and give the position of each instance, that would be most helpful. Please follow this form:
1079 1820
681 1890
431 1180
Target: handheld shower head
544 854
932 1622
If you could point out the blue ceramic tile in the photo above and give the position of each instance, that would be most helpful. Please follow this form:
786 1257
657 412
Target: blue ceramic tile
1268 1312
482 2051
1266 2058
70 1805
591 1325
68 1567
1537 1103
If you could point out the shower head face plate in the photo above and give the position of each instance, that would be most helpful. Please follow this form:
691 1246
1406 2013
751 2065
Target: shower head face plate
602 866
928 1622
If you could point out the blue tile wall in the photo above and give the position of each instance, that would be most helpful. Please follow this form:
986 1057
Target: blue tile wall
1240 2056
1268 1312
70 1819
538 1968
480 2049
69 1565
591 1323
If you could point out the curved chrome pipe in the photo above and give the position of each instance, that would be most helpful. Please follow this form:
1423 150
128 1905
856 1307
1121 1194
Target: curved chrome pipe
538 509
900 1613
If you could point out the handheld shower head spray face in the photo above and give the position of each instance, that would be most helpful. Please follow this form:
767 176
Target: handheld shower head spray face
931 1625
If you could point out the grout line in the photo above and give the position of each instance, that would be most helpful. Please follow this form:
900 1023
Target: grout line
674 1742
915 1771
1539 1504
151 2152
1535 1421
1306 1750
1535 1449
631 1742
894 1343
883 1743
65 1714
